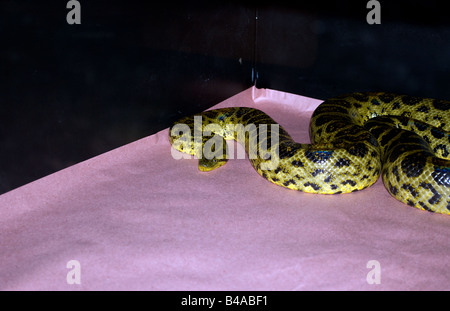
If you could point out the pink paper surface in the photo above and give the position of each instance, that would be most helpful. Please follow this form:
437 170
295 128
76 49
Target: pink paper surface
137 219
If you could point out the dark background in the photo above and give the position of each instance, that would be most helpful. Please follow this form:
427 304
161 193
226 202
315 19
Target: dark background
71 92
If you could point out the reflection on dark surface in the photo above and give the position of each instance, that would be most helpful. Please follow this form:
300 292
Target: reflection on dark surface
71 92
329 55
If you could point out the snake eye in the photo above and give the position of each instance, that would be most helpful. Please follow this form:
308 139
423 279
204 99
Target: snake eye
224 115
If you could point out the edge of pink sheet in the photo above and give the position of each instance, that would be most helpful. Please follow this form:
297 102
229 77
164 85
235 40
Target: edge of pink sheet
135 218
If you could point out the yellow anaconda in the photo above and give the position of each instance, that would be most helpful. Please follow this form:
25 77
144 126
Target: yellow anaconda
355 138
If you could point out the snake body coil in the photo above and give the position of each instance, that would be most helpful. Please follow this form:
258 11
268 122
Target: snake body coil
355 138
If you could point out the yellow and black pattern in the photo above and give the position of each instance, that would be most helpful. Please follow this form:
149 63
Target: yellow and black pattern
354 139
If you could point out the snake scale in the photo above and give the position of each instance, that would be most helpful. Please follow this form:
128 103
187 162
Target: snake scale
354 138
